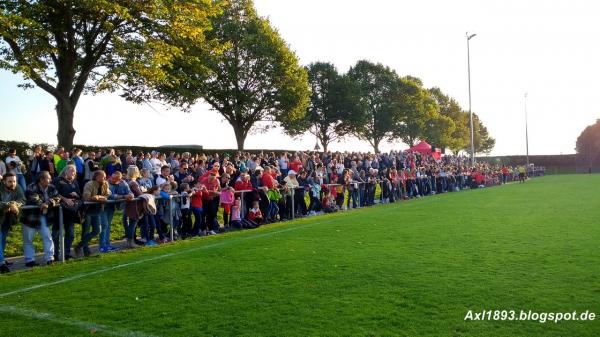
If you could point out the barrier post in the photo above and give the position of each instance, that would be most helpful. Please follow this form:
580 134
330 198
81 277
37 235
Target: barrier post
171 216
61 233
358 194
292 191
242 205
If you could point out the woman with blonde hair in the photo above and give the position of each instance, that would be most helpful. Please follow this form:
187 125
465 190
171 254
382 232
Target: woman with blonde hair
133 210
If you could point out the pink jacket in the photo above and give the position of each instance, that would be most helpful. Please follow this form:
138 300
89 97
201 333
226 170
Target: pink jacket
226 197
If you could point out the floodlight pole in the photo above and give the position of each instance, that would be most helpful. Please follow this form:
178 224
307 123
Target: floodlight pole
469 37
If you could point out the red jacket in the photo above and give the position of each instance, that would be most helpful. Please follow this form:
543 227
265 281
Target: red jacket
268 181
254 215
243 186
196 199
295 165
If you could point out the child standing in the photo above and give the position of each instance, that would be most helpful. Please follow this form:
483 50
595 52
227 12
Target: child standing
186 212
226 198
197 195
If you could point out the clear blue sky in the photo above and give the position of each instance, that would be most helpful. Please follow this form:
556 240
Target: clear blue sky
549 49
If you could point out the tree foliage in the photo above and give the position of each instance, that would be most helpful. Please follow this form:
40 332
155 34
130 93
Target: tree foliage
484 143
69 47
419 113
255 78
332 104
460 136
588 144
379 112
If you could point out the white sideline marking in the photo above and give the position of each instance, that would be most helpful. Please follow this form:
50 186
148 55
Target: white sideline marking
160 257
91 327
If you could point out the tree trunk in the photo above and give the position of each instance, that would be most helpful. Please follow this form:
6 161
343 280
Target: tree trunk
66 132
376 145
324 141
240 136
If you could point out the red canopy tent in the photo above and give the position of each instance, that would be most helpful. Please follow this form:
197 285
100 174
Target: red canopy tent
425 148
422 147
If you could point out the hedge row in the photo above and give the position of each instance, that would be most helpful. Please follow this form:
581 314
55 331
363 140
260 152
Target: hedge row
568 163
23 148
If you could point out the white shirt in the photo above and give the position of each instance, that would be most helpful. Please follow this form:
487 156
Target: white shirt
339 167
156 165
160 180
283 163
18 162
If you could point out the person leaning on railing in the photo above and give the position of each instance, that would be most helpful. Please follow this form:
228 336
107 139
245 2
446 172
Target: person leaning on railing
119 191
12 198
68 189
97 191
133 209
43 194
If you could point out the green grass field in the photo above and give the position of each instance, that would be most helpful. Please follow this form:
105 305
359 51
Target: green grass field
412 268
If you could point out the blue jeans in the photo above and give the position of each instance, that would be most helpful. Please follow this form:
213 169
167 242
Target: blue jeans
148 226
105 228
3 235
352 194
94 221
21 182
130 226
28 234
197 221
69 227
273 210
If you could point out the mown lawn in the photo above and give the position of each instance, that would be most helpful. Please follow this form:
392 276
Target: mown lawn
406 269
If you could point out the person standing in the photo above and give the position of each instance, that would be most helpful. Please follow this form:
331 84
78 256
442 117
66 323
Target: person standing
89 167
35 160
77 160
3 169
18 167
68 189
133 209
119 190
12 198
47 163
43 194
95 190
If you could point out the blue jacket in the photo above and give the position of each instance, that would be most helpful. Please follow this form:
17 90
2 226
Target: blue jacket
117 192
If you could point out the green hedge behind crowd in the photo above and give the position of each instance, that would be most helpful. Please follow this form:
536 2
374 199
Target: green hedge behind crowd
555 164
22 148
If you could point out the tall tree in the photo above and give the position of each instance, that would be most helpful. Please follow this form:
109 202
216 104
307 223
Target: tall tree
438 131
255 78
332 104
379 112
419 113
588 144
460 136
69 47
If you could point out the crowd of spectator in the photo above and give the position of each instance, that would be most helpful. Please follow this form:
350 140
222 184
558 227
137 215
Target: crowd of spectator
197 195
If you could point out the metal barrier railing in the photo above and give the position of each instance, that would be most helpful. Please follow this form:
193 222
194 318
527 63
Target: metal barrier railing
61 224
345 189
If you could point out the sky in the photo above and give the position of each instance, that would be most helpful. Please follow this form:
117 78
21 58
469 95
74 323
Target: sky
547 49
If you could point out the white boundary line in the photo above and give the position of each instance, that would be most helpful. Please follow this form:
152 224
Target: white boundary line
160 257
91 327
